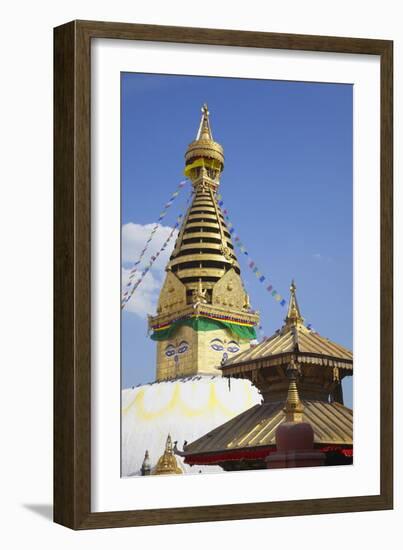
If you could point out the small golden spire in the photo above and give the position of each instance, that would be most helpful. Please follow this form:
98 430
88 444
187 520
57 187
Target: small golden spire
293 405
205 132
294 316
167 463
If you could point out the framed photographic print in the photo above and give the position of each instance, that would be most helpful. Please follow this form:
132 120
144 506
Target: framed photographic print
223 275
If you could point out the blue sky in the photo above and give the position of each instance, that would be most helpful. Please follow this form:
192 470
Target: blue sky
287 185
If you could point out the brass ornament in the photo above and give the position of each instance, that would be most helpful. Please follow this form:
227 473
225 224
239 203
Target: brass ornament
167 463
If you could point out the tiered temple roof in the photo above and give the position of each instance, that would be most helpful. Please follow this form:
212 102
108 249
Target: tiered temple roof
318 365
294 336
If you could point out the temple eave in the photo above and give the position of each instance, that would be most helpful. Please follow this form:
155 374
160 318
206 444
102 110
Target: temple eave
283 359
200 310
221 457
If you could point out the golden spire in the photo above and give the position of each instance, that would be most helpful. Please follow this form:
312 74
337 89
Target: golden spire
294 316
204 157
204 132
203 251
293 405
167 463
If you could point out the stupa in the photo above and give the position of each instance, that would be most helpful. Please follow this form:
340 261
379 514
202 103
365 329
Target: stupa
203 315
203 318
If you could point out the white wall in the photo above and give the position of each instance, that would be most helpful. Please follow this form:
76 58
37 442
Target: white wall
26 280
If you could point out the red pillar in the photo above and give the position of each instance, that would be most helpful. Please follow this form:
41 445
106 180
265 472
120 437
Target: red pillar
294 442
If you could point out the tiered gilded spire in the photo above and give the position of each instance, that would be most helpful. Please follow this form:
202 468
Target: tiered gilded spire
293 405
294 316
204 251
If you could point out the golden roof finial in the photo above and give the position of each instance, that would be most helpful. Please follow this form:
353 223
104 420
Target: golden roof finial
293 405
167 463
294 316
204 131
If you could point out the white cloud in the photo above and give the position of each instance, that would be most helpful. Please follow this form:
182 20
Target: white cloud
134 237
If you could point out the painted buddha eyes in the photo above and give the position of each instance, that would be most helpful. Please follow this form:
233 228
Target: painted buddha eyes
183 347
218 345
171 350
233 347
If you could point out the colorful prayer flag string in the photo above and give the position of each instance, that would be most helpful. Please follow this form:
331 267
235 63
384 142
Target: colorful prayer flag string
151 236
251 264
130 291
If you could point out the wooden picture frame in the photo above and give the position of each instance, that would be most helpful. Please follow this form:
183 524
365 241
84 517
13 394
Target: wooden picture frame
72 272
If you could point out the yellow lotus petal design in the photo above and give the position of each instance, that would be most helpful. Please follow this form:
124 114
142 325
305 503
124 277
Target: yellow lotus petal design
185 408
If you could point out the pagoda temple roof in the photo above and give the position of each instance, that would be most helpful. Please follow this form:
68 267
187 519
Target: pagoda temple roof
255 428
293 338
300 340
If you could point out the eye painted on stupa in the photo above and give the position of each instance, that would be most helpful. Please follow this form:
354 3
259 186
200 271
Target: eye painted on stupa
183 347
233 347
170 350
217 344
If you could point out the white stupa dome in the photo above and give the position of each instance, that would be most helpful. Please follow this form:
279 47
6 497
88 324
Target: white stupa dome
185 408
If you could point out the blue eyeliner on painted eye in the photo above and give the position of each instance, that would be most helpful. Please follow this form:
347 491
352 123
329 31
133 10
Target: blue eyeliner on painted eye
170 351
183 347
233 347
217 347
